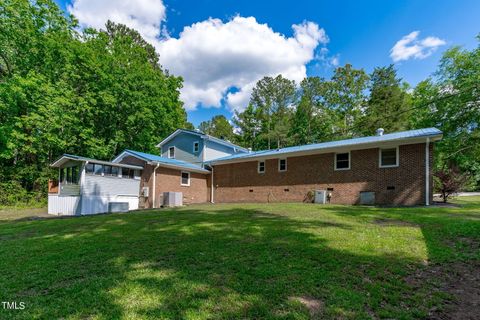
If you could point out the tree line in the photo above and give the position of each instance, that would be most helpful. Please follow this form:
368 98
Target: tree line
97 92
353 103
66 90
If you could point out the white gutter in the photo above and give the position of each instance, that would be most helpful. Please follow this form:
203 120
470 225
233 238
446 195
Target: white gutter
211 187
427 172
154 184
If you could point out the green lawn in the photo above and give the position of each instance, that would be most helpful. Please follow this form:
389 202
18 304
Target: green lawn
282 261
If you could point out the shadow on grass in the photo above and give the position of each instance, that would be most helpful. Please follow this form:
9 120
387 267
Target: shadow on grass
204 263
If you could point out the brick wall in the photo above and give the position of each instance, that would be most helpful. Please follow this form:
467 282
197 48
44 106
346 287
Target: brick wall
170 180
240 182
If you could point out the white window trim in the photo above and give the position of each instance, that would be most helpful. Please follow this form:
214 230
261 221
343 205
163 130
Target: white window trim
286 166
181 179
174 151
264 167
349 161
380 158
198 145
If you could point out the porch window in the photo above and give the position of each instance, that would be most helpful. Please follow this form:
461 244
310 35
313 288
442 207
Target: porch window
128 173
185 178
69 175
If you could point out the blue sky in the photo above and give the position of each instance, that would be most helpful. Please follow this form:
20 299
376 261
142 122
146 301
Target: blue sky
255 38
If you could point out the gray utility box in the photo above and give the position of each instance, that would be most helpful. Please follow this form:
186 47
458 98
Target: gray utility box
117 206
172 199
367 197
321 196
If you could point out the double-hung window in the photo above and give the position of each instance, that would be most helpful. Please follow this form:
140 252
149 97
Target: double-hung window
342 161
388 157
282 164
171 152
261 166
185 179
196 146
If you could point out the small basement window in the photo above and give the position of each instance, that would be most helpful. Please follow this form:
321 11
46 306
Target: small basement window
342 161
261 166
282 164
185 178
196 146
388 158
171 152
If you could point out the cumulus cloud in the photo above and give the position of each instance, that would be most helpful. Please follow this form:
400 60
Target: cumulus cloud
410 46
214 56
145 16
219 61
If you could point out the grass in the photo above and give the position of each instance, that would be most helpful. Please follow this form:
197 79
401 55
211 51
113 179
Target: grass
282 261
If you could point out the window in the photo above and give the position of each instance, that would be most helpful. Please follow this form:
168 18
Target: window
388 157
261 166
89 168
128 173
196 146
69 175
115 171
171 152
107 170
342 161
98 169
185 178
282 164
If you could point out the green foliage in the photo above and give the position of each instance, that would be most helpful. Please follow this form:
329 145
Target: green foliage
94 93
218 127
388 104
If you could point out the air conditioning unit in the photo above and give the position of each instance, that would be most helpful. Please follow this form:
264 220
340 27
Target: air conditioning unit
145 191
321 196
172 199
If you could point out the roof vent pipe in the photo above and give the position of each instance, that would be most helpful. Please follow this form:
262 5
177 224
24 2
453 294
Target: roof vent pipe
380 131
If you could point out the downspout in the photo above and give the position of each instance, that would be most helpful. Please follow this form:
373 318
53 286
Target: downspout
154 184
211 187
427 172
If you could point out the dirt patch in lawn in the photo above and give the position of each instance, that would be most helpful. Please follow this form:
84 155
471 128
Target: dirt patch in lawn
394 223
460 281
314 306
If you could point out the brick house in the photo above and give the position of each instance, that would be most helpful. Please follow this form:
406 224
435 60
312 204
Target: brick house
386 169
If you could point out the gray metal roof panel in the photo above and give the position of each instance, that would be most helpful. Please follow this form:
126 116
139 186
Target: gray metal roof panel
336 144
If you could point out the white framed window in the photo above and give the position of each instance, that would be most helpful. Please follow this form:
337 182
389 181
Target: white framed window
185 179
282 165
388 157
342 161
196 146
171 152
261 166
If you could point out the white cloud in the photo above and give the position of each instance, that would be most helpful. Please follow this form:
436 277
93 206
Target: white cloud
411 47
145 16
212 56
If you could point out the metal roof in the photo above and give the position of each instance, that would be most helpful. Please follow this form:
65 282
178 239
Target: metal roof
202 134
434 133
167 162
66 157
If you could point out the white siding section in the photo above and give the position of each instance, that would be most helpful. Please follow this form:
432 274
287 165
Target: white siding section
83 205
63 205
110 186
99 204
214 151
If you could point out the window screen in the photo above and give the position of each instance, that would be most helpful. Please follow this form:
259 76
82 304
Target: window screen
185 178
